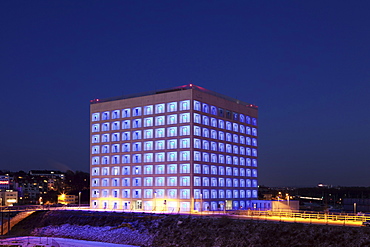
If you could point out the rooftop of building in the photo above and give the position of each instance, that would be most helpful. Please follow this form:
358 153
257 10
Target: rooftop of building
173 89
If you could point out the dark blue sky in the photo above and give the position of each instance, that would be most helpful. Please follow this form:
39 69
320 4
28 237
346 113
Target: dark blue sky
304 63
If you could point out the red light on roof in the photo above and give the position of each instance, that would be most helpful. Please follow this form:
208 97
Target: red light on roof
191 85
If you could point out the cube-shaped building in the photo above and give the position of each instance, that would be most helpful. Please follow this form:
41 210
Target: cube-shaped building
179 149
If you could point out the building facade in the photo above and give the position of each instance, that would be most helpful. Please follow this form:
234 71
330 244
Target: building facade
178 149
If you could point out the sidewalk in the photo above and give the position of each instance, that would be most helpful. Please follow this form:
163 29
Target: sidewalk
55 242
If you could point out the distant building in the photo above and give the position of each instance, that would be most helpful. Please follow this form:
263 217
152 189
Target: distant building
67 199
55 178
184 148
8 197
31 188
4 182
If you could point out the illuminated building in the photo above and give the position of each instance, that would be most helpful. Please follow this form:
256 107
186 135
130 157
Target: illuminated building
184 148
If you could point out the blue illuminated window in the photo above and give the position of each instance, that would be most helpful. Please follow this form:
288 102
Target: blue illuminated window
159 145
242 129
136 111
248 151
159 169
214 110
197 118
197 131
95 117
254 183
205 120
115 125
185 143
95 139
159 108
248 141
254 173
254 131
136 146
205 144
159 120
235 182
105 149
115 148
105 115
95 128
185 168
221 170
228 126
172 156
148 169
196 143
196 105
148 193
126 124
241 118
249 193
125 136
172 181
148 122
197 168
184 155
205 181
205 108
95 160
205 132
205 157
248 161
172 144
229 182
184 130
148 110
242 172
95 150
105 160
235 160
242 140
214 158
126 159
235 138
115 137
235 127
221 147
248 173
221 193
242 150
214 134
159 181
221 135
105 182
254 141
254 121
148 134
105 138
228 137
136 123
148 157
228 148
214 182
254 162
126 170
221 124
254 152
171 107
184 181
136 135
126 113
185 105
185 118
242 182
159 157
229 171
106 127
236 171
172 131
247 119
242 161
213 122
185 194
248 130
197 156
221 158
159 133
136 158
171 119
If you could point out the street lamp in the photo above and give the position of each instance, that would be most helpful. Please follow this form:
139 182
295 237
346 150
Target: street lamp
287 196
79 199
201 203
354 208
155 200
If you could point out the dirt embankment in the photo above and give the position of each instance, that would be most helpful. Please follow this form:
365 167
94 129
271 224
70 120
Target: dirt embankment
179 230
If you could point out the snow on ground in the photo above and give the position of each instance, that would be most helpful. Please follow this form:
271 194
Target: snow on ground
62 242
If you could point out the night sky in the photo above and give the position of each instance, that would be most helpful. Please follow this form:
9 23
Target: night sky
306 64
